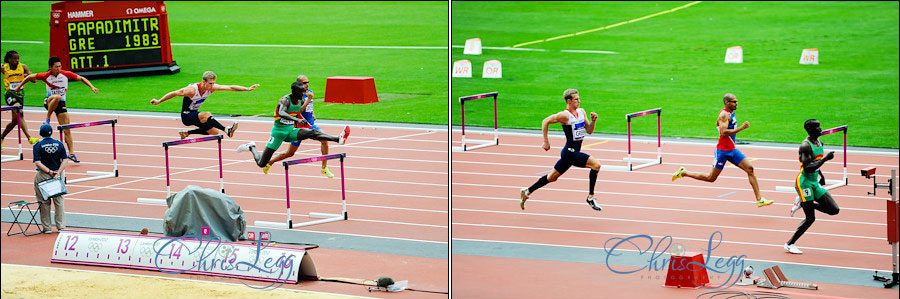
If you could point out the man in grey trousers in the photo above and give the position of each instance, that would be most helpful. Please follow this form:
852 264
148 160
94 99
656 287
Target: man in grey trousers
50 161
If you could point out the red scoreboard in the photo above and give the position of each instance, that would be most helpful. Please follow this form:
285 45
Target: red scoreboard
111 38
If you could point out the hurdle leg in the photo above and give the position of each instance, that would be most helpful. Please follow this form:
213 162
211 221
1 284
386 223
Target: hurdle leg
343 191
115 158
462 118
629 145
168 186
287 191
221 177
496 124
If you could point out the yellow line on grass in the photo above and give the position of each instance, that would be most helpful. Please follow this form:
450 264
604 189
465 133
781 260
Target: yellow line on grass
607 27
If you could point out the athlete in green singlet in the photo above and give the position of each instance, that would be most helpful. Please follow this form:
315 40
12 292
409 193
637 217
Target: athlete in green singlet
283 130
812 196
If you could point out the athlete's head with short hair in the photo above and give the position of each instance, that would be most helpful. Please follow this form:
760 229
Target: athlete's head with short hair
209 78
813 128
55 65
11 56
297 90
730 101
572 98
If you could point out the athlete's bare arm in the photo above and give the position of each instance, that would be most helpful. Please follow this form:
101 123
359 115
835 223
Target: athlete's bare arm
283 103
88 83
545 126
186 91
29 78
591 122
722 123
808 159
217 87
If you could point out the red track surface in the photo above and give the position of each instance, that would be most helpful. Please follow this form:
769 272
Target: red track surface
485 206
396 184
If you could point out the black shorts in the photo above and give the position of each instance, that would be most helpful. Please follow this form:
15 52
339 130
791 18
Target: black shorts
13 98
60 108
192 118
568 157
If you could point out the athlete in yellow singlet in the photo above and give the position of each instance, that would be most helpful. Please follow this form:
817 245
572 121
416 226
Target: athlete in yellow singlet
13 75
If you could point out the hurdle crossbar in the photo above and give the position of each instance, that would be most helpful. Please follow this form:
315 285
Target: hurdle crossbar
287 186
481 143
166 145
20 156
95 175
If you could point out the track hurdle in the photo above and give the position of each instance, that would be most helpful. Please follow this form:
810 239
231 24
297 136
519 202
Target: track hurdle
95 175
647 162
20 156
166 145
481 143
829 184
287 185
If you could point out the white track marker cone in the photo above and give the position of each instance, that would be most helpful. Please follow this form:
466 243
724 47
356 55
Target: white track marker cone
462 69
734 55
473 46
809 56
492 69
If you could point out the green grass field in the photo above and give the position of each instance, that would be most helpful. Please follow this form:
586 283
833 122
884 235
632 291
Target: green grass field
411 84
675 61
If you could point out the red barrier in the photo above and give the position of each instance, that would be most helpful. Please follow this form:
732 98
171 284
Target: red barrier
687 271
352 90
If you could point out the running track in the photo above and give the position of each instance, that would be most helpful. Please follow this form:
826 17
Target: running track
396 190
497 244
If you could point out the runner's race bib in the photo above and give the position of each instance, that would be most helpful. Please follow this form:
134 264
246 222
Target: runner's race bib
578 131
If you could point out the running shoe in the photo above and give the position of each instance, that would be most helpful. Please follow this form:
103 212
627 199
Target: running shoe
266 169
593 202
1 143
524 198
246 147
230 130
47 121
796 206
763 202
327 172
678 174
183 134
73 158
792 248
344 135
33 140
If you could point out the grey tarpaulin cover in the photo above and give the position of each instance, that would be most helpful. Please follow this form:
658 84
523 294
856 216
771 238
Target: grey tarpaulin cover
193 208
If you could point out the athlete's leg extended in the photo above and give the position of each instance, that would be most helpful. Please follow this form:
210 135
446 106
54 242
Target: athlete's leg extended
809 209
707 177
315 134
751 174
324 153
211 124
10 126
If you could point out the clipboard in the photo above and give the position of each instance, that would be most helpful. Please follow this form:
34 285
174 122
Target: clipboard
52 187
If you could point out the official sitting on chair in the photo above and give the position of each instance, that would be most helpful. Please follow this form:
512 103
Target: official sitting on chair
50 162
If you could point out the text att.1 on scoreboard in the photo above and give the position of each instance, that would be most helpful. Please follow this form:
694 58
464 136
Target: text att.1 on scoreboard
112 38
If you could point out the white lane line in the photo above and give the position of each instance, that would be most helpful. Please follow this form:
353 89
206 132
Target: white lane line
628 234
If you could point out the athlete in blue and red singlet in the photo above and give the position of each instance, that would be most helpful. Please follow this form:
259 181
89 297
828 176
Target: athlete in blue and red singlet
576 126
726 151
